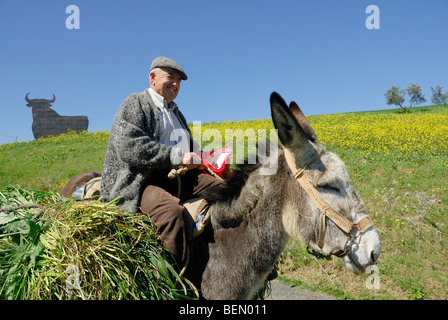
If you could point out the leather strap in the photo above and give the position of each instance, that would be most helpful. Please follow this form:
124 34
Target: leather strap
326 210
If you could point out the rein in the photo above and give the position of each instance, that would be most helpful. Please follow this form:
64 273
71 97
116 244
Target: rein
325 209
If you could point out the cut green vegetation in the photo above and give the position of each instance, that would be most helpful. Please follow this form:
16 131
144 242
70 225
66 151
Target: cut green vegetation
56 248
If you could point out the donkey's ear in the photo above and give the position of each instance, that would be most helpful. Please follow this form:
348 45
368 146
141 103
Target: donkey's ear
291 134
289 131
303 121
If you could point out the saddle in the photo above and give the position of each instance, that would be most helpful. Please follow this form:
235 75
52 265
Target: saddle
89 190
200 213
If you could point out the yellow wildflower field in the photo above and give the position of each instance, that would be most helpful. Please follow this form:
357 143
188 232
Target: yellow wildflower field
424 133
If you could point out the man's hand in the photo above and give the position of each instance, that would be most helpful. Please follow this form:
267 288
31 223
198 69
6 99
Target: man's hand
191 160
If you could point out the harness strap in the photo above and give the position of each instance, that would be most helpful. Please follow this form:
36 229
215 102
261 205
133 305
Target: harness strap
326 210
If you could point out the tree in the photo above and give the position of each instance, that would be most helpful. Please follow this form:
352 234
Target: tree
438 97
395 96
415 95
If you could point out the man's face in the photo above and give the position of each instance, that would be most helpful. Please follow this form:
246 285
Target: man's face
166 83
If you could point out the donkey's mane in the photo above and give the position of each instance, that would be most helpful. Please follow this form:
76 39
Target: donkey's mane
231 188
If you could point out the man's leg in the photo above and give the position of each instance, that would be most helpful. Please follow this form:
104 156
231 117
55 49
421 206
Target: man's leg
196 181
170 218
174 223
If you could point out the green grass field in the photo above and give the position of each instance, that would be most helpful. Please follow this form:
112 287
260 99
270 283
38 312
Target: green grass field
397 162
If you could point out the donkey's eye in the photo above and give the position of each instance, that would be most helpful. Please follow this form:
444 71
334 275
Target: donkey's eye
333 188
329 185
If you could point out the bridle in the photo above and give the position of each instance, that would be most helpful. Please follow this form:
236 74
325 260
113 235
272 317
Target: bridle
325 209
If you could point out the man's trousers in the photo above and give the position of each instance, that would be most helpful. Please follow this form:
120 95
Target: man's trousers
172 220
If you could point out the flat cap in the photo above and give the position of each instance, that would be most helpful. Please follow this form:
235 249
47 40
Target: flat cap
164 62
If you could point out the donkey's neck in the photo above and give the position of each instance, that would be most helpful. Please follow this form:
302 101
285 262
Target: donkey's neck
246 253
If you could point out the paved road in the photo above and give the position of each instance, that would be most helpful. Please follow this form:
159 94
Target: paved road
281 291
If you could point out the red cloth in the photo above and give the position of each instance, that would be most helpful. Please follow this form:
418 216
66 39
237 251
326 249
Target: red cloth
217 161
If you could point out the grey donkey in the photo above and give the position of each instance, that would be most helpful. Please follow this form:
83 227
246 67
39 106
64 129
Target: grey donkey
252 220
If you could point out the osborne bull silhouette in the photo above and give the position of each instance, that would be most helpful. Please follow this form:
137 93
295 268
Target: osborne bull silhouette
48 122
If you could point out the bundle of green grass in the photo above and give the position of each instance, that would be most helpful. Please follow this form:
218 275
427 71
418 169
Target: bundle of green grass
57 248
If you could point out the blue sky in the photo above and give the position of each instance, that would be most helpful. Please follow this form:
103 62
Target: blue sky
318 53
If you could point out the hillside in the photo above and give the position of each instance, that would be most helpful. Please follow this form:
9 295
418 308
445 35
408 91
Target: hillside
397 162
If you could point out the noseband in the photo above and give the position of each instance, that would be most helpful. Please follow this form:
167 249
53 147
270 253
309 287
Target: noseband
325 209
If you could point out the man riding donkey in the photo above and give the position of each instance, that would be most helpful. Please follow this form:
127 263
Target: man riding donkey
150 137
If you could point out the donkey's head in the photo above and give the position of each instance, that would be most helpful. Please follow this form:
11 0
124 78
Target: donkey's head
322 209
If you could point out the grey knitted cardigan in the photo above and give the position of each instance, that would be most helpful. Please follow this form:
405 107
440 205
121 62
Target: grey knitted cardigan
134 151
